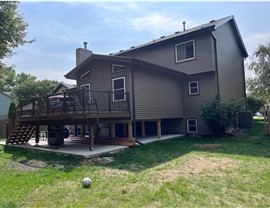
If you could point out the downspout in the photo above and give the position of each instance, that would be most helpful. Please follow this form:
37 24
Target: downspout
216 62
133 101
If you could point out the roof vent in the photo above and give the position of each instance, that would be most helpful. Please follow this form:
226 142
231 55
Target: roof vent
162 36
85 45
121 50
132 47
177 32
184 26
212 21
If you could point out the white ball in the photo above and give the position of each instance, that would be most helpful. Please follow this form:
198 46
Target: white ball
86 183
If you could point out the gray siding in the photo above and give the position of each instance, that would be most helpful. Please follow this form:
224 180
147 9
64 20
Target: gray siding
4 106
100 76
157 95
164 55
193 103
230 64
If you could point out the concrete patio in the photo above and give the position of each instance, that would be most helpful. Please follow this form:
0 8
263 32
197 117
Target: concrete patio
81 149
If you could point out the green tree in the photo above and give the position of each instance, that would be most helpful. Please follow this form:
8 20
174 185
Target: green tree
12 28
254 104
7 78
259 85
220 114
30 88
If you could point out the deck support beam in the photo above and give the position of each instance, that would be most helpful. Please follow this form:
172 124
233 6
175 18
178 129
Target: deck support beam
113 130
91 137
37 134
130 135
143 128
159 128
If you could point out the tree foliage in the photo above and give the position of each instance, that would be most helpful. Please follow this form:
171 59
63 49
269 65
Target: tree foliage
254 104
12 28
7 78
30 88
220 114
259 86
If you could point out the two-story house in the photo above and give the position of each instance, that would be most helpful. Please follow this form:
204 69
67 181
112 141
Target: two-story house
157 87
169 78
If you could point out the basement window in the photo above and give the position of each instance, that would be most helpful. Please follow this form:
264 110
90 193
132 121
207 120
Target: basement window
185 51
192 126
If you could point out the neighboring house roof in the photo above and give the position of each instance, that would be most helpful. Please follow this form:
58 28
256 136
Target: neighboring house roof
65 85
8 94
123 59
210 26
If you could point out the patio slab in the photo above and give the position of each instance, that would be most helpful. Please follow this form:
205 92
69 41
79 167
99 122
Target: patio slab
80 149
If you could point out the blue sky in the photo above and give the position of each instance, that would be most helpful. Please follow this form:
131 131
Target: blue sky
61 27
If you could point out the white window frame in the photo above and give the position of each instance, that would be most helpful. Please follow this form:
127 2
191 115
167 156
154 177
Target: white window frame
190 89
89 87
196 125
82 77
113 90
113 65
186 59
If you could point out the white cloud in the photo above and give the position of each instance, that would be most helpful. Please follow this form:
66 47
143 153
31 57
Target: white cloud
159 23
254 40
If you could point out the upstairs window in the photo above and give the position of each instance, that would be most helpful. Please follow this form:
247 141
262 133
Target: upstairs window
185 51
193 88
119 89
117 68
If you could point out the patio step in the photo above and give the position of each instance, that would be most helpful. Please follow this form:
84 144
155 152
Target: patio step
21 134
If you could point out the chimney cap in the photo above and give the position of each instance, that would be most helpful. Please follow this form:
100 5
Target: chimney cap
85 45
184 25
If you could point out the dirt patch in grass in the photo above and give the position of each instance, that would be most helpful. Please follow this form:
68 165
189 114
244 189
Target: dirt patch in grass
207 145
196 166
26 167
98 161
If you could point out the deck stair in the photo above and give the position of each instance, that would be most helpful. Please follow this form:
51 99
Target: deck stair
21 134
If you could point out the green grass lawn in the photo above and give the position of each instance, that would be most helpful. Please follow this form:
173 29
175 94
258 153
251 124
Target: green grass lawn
184 172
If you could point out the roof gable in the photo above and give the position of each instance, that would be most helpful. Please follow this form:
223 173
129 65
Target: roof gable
210 26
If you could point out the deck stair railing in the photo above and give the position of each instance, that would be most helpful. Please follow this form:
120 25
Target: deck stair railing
21 134
74 101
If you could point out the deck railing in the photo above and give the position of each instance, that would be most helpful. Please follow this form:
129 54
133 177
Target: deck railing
74 101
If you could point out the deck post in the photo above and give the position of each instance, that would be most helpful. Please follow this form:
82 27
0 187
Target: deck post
113 130
159 128
61 134
91 137
21 108
143 128
110 101
48 104
37 134
65 102
84 103
130 135
33 107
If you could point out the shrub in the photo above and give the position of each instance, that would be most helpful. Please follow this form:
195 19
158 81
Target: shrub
220 114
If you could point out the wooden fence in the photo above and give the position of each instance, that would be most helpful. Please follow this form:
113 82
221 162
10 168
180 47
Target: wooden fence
3 128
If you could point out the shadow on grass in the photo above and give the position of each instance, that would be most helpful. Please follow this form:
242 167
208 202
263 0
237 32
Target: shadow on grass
251 142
